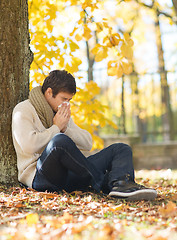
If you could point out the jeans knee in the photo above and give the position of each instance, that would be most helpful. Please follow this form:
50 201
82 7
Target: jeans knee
123 147
60 140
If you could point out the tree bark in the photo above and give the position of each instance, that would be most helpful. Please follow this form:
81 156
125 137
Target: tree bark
135 106
123 107
15 60
175 5
167 116
90 60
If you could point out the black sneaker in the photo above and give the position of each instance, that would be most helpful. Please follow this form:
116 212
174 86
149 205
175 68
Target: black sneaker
132 191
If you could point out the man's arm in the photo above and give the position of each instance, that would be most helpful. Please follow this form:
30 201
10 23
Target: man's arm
81 137
25 133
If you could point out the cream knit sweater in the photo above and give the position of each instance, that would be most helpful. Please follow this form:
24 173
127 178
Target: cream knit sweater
30 138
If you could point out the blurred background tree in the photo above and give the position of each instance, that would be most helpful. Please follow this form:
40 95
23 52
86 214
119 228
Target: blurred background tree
122 56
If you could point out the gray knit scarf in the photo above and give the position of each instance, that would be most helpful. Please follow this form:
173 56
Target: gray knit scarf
41 106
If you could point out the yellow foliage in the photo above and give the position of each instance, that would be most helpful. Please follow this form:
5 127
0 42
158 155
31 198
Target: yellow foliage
87 32
78 37
74 66
115 39
73 46
101 52
127 67
117 68
55 49
89 113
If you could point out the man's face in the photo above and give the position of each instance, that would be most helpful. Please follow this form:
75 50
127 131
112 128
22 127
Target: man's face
61 97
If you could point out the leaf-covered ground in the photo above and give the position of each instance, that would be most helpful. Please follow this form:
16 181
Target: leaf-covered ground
26 214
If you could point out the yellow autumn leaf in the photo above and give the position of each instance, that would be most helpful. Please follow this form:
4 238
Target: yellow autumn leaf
76 61
98 143
65 46
112 124
112 63
130 42
101 54
73 2
82 14
49 26
61 38
116 208
115 39
87 32
31 85
112 71
78 37
119 70
74 65
126 36
126 51
32 218
127 67
61 61
72 33
96 49
73 46
92 88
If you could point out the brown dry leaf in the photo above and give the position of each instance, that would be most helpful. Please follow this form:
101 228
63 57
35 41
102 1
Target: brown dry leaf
67 218
48 195
116 208
174 197
19 205
169 210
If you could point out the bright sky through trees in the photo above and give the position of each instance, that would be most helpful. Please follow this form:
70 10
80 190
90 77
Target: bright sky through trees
144 52
63 32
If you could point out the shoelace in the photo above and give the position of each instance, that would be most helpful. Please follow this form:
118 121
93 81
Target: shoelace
139 186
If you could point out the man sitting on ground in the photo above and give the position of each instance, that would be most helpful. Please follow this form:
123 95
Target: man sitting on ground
48 144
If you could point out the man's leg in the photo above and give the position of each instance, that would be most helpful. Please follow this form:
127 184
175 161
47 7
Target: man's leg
115 162
59 158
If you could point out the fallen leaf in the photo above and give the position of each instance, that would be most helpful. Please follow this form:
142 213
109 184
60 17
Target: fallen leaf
32 218
48 195
67 218
169 210
116 208
174 197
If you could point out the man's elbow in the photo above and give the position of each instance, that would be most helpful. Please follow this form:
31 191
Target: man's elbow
89 145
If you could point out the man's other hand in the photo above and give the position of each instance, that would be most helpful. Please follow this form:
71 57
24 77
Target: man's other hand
62 116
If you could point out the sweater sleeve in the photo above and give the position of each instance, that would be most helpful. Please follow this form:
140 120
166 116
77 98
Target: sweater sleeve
81 137
25 133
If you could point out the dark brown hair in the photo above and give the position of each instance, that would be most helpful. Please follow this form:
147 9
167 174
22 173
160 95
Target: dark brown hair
59 81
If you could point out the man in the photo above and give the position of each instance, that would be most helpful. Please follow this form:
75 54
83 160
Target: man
48 144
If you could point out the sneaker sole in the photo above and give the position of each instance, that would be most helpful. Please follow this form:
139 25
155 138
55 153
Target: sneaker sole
145 194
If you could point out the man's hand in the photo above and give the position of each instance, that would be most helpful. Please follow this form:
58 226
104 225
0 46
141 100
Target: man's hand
62 117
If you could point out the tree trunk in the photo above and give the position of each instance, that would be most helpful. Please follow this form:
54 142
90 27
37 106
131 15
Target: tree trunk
135 100
123 108
15 60
167 118
175 5
91 60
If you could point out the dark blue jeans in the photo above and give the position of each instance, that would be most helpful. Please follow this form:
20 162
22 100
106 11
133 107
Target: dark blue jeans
62 166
